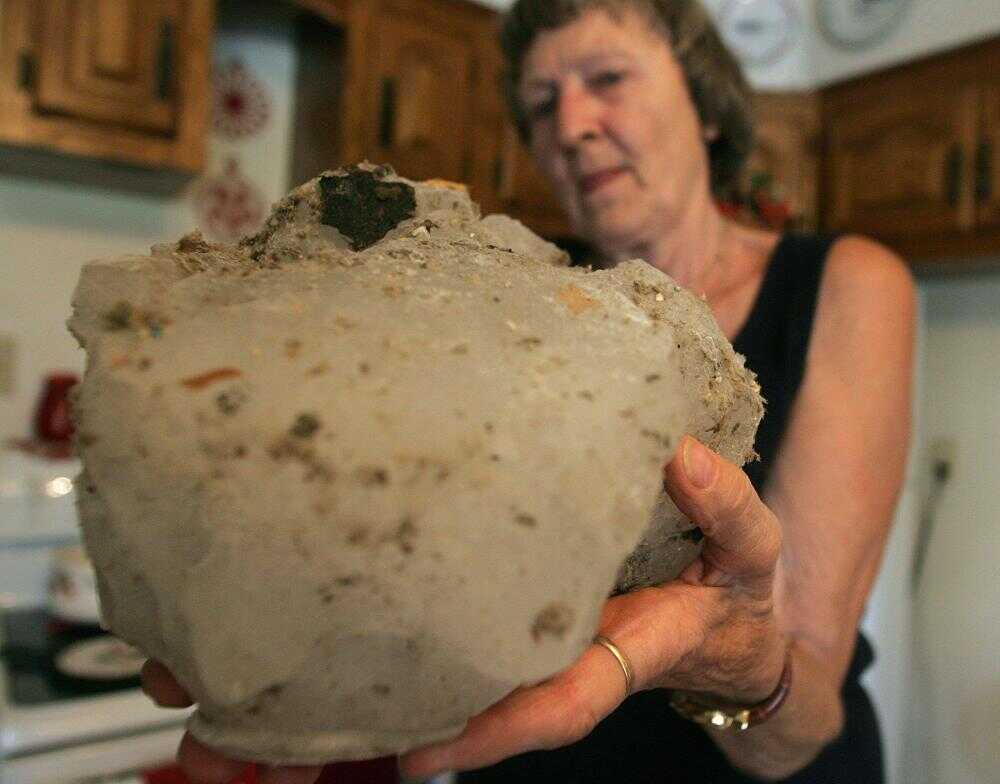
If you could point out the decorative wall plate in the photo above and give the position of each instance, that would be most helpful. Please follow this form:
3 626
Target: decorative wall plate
241 102
759 32
229 206
857 24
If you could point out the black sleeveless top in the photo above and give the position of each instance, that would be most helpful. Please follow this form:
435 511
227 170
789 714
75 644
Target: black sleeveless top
644 741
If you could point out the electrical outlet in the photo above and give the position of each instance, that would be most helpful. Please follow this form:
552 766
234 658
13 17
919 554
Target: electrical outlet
6 365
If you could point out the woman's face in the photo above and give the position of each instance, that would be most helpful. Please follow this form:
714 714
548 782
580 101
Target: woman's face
613 127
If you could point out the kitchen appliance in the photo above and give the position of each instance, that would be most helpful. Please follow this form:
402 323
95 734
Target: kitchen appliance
53 423
62 722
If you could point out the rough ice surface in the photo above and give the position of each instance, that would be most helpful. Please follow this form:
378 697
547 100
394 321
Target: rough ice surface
358 477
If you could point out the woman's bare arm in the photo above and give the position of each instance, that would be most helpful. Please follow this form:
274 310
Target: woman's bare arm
834 487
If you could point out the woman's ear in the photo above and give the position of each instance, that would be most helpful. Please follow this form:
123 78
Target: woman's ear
711 133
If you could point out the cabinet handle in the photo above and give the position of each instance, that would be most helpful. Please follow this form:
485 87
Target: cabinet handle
953 176
26 71
165 60
984 172
387 113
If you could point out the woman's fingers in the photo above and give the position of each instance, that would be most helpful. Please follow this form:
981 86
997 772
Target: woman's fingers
743 538
555 713
162 687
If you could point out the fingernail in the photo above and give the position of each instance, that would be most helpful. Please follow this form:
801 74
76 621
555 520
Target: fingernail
698 464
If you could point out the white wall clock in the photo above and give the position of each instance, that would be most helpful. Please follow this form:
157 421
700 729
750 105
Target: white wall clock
759 32
856 24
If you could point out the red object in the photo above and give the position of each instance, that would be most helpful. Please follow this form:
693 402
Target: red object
52 416
729 209
377 771
774 214
383 770
172 774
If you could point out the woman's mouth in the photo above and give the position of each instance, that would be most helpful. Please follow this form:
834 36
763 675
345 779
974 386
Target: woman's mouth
592 182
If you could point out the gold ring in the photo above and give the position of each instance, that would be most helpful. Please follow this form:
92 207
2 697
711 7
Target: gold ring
627 670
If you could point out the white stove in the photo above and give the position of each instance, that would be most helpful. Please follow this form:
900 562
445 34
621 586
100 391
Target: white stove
87 739
54 728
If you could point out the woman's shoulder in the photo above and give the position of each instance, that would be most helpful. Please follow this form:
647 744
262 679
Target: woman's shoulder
861 272
867 303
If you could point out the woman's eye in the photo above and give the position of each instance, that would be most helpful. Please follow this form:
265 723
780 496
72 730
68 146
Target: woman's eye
605 79
541 108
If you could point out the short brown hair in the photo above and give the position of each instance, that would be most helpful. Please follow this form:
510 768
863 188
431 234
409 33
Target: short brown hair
720 93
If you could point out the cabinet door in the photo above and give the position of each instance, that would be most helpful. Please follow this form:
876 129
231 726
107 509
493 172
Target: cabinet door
490 117
419 96
513 183
523 190
988 158
900 158
109 61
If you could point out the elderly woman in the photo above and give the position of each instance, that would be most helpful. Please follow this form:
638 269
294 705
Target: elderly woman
638 115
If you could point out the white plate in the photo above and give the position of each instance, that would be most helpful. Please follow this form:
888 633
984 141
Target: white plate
858 24
100 658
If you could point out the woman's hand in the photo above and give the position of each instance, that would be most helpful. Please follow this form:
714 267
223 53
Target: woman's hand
711 630
204 765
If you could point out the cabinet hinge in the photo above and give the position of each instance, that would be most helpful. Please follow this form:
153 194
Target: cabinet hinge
26 71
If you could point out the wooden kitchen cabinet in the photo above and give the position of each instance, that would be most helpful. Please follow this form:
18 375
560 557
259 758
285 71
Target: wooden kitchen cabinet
415 84
911 155
125 81
988 158
524 192
390 81
420 91
897 165
515 185
99 60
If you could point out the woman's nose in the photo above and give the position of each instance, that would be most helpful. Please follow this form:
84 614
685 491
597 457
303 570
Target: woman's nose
578 116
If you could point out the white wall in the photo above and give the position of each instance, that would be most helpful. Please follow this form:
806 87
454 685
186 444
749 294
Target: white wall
956 735
48 230
929 26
